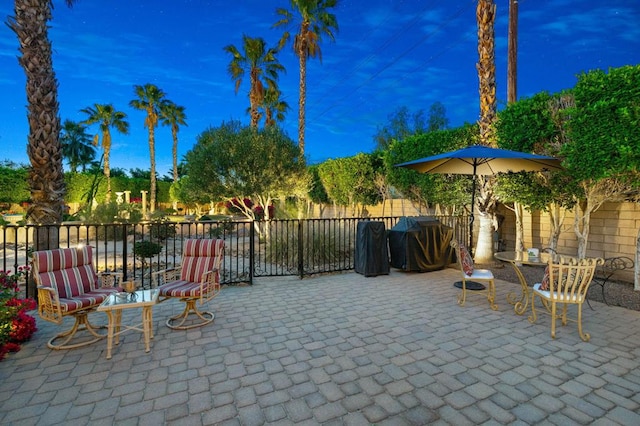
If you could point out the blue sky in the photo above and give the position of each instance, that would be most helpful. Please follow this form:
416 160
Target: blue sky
387 54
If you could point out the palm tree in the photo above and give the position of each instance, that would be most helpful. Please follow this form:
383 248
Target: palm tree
107 117
173 115
76 145
46 176
274 107
261 63
315 21
486 15
150 100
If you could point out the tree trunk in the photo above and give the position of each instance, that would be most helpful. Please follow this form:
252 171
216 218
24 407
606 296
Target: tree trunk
512 53
152 155
46 178
302 101
582 219
484 247
519 212
636 280
556 220
174 134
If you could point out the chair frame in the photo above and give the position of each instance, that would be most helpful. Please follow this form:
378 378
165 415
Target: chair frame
208 288
478 275
569 280
50 309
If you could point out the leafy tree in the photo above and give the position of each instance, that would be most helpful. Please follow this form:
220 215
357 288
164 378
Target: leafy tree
151 100
14 187
232 162
603 154
531 125
401 125
76 145
107 117
315 20
437 117
46 176
140 174
350 181
261 63
438 190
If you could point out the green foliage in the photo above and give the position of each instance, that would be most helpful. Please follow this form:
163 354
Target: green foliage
403 124
350 180
527 125
317 192
236 162
13 183
447 190
143 250
605 124
162 231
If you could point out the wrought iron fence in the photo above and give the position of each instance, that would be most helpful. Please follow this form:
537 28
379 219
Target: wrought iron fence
252 249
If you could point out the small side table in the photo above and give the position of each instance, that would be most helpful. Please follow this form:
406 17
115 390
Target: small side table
117 302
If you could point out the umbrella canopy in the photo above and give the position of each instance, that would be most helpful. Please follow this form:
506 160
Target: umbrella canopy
482 160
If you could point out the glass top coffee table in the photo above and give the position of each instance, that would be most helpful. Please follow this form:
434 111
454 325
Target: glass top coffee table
117 302
517 259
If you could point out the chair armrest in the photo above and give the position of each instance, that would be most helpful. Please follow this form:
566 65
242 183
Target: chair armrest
165 275
49 307
209 285
110 279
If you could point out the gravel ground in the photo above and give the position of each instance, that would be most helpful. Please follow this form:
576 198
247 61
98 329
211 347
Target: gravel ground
616 293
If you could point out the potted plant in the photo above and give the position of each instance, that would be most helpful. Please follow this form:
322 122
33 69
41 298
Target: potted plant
16 324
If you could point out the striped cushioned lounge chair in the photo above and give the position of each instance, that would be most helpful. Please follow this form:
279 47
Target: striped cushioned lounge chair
197 280
69 286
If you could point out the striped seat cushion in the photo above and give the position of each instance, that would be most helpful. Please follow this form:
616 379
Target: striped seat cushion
86 300
180 288
69 271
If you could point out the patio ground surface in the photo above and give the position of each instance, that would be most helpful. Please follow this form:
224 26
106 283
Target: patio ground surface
339 349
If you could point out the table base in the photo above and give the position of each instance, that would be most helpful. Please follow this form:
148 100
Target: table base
471 285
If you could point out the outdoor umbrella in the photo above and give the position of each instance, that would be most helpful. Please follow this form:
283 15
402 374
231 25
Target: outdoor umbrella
480 160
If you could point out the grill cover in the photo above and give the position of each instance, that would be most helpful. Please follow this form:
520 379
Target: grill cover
420 244
371 252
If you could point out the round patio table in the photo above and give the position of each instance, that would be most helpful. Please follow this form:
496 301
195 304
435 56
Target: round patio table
517 259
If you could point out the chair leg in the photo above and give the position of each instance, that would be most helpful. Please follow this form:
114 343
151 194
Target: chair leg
462 296
553 319
81 323
533 317
584 336
491 295
189 309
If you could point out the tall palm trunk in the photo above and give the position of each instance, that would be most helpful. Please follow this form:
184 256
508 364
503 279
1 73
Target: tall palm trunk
152 154
254 98
46 179
174 135
303 99
106 145
485 15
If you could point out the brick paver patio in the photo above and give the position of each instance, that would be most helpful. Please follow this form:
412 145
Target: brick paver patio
339 349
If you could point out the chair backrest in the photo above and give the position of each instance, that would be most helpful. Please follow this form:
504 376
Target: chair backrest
465 261
570 277
200 256
68 270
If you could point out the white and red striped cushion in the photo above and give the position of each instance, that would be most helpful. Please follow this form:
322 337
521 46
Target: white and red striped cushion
69 271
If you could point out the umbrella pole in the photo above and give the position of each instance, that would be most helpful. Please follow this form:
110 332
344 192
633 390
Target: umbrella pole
473 204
